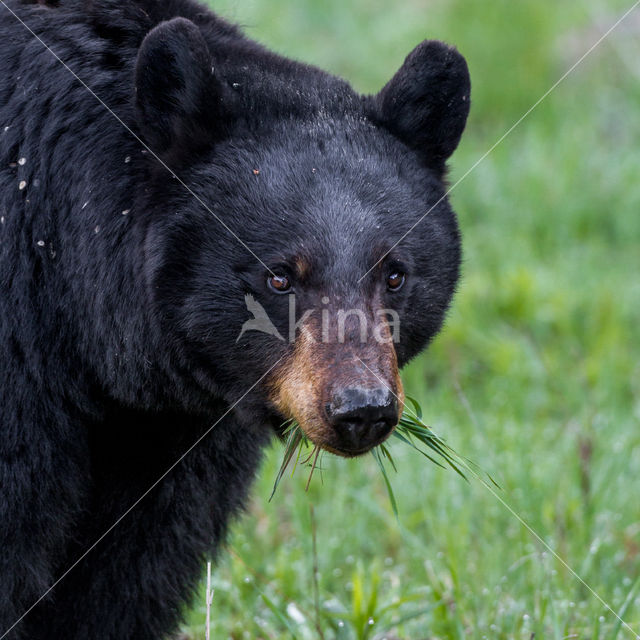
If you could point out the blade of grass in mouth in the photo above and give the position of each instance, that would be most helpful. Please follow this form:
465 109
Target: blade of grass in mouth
410 430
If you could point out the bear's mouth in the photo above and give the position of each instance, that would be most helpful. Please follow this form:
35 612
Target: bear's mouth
353 453
282 425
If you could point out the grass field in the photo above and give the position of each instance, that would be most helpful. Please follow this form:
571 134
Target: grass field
536 375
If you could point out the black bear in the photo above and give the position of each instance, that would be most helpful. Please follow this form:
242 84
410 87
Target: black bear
199 240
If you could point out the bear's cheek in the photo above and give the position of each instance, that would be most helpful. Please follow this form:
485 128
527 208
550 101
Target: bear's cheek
296 389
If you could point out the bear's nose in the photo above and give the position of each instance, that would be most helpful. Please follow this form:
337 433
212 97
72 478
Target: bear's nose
362 418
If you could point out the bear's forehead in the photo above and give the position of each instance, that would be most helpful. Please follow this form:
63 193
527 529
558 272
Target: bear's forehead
334 193
347 164
344 142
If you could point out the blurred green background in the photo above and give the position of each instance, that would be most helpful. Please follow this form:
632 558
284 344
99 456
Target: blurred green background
536 375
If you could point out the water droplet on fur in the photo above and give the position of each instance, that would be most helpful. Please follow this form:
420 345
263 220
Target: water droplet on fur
97 229
85 204
22 185
125 212
22 161
127 160
40 243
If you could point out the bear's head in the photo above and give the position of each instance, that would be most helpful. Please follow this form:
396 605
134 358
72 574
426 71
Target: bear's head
304 249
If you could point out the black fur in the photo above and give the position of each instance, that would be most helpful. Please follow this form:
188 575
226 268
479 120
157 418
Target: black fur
121 296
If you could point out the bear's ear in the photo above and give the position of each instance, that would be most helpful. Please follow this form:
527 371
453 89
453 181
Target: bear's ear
181 106
426 103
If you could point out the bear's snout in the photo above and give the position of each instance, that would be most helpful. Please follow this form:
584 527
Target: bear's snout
346 396
362 417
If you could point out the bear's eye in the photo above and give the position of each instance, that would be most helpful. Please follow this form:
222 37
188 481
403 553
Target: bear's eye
279 283
395 281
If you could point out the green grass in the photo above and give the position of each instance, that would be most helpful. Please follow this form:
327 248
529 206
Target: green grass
410 430
536 375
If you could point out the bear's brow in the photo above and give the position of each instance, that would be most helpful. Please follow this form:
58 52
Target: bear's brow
302 266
